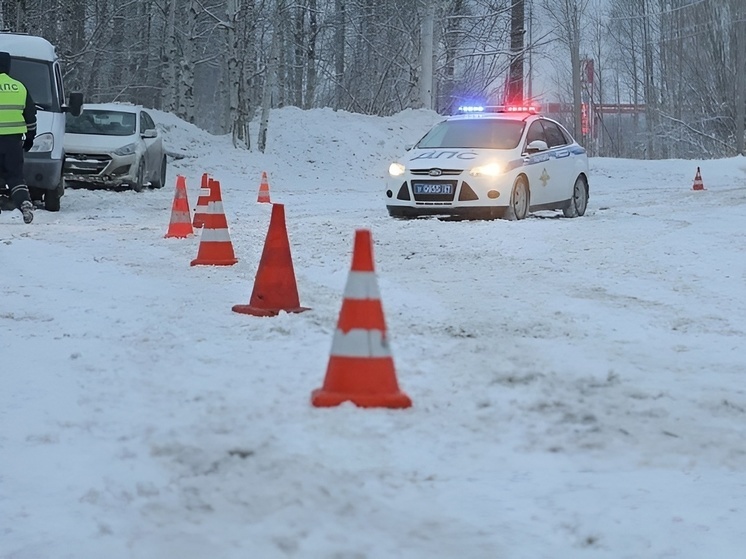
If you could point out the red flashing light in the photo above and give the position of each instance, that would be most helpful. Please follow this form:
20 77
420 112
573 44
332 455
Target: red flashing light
521 109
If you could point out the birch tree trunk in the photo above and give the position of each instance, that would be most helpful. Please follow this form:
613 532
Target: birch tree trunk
186 65
270 82
170 54
340 21
313 32
740 98
426 55
649 83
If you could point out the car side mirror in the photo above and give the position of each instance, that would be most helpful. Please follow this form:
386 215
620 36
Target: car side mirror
537 146
75 105
152 133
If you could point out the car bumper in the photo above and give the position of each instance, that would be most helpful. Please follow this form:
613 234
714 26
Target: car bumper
467 197
41 171
481 212
101 169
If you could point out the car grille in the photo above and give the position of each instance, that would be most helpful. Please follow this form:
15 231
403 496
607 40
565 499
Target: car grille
443 172
85 163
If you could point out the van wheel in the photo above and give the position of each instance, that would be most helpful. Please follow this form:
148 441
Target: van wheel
52 198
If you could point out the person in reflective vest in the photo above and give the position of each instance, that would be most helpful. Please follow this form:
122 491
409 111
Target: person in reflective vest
17 132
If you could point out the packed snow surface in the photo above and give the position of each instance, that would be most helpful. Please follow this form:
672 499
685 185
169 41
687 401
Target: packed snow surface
577 384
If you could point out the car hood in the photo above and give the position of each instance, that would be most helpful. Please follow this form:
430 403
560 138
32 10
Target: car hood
454 158
91 143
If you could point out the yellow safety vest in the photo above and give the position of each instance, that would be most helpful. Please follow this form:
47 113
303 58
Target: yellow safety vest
12 103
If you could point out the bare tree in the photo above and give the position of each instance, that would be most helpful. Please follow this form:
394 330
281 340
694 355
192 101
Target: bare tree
567 15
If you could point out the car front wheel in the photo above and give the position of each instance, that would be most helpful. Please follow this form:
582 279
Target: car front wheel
579 201
519 201
139 183
161 180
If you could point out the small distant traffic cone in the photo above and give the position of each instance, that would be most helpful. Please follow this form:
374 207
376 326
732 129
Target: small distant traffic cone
698 184
204 198
181 222
263 197
275 289
215 247
361 368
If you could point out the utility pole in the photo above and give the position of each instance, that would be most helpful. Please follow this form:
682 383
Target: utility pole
530 85
517 31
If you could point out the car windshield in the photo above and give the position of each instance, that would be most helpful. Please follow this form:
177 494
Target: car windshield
486 133
37 77
101 123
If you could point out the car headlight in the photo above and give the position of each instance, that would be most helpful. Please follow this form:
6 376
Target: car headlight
129 149
489 170
43 143
396 169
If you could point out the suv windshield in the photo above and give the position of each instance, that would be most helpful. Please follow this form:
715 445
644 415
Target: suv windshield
101 123
36 75
487 133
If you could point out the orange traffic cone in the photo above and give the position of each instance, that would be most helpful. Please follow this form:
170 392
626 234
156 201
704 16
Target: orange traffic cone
361 368
264 190
215 247
204 198
181 222
698 184
275 289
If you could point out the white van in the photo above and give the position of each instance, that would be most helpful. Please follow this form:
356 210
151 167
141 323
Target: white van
34 63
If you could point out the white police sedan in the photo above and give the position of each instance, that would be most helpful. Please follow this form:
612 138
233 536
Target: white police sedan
490 162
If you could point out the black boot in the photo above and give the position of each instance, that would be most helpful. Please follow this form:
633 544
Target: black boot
20 196
27 209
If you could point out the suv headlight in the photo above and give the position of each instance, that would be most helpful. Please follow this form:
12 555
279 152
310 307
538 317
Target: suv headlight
396 169
489 170
43 143
129 149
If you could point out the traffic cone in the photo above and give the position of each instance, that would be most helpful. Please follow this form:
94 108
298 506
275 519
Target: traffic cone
204 198
275 289
263 197
181 222
360 367
215 247
698 184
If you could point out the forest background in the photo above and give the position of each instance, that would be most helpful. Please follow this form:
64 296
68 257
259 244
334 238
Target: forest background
630 78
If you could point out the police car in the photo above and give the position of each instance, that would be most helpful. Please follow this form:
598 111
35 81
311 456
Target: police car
490 162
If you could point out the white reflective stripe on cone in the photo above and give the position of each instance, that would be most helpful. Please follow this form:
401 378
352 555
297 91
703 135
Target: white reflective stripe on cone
360 343
362 285
215 236
180 217
214 208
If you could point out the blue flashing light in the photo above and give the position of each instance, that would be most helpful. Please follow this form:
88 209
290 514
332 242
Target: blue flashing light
471 109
